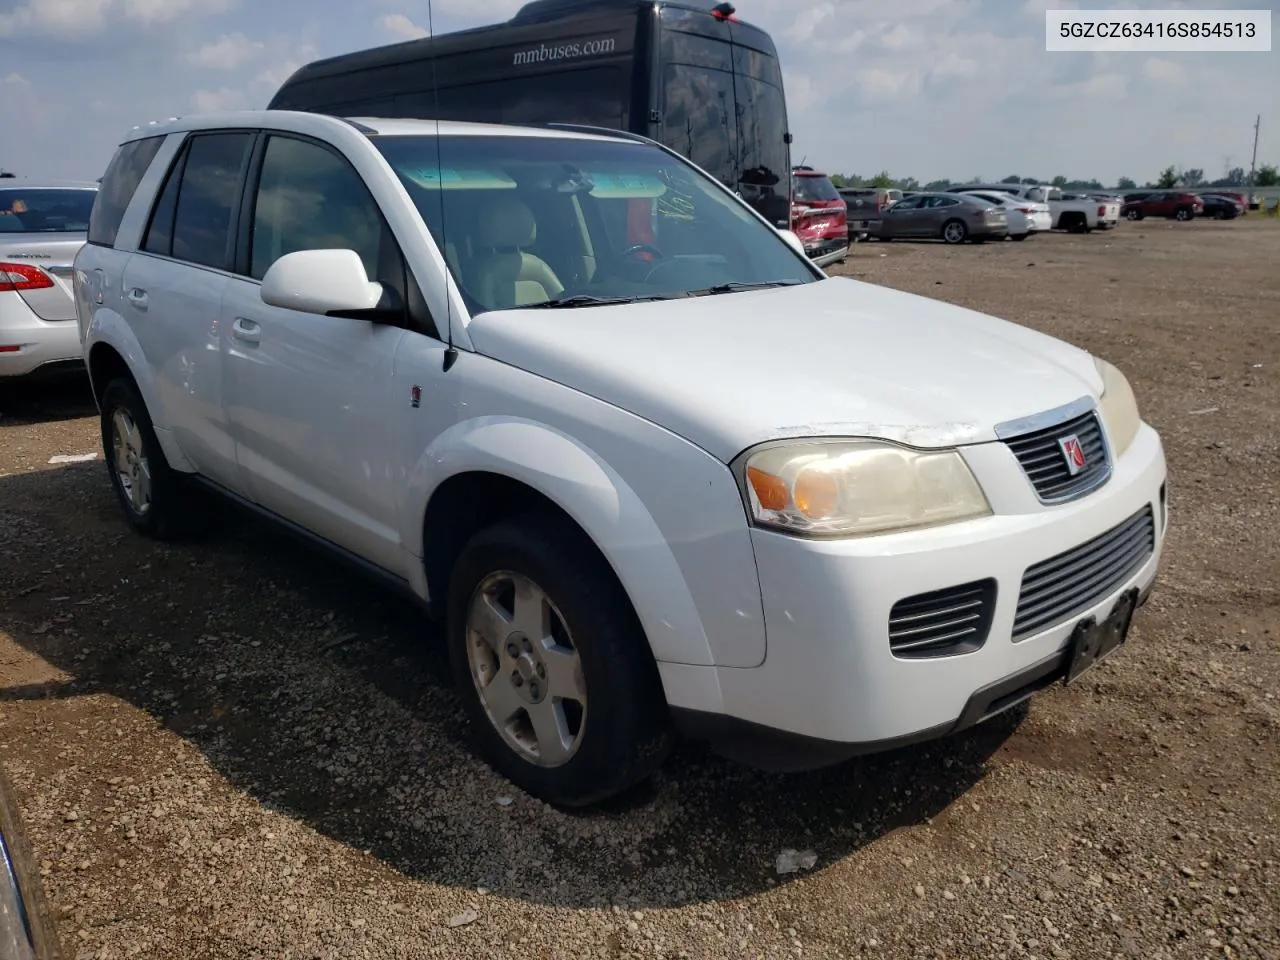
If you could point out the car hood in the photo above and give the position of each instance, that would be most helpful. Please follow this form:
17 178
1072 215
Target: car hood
837 357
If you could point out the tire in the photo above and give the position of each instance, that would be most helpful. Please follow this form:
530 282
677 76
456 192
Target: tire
612 730
23 884
1019 237
955 231
1133 215
1183 213
157 502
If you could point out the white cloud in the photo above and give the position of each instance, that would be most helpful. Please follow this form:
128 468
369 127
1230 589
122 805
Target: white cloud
217 101
808 21
56 17
884 83
398 25
162 11
68 18
283 69
1164 72
227 52
954 65
15 79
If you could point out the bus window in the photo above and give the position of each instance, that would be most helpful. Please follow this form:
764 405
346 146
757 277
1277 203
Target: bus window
699 118
591 97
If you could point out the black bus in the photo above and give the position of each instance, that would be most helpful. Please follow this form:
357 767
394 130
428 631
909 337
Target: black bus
696 79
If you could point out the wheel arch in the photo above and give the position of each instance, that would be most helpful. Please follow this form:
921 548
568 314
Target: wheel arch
479 473
114 351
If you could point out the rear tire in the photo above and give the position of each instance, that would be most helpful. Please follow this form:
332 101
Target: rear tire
156 500
955 231
577 714
1019 236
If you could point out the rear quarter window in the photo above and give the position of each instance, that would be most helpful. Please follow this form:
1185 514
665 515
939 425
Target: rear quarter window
119 183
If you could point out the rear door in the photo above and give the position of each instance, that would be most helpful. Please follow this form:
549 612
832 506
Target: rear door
698 106
173 288
764 153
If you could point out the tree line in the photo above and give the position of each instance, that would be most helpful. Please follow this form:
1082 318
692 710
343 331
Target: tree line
1171 176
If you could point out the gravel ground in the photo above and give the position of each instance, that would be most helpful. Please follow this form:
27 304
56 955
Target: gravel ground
236 750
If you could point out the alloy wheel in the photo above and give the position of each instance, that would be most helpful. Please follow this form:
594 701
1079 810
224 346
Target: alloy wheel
526 669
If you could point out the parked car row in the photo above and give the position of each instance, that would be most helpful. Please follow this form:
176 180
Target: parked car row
1183 205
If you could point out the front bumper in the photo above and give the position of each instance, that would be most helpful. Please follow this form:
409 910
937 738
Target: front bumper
830 681
42 345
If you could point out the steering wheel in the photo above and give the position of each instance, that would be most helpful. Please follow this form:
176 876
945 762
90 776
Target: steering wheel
649 248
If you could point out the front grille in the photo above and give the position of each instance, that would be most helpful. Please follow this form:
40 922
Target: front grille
944 622
1056 589
1045 463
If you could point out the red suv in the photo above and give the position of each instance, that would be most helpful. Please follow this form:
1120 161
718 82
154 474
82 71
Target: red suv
819 216
1174 204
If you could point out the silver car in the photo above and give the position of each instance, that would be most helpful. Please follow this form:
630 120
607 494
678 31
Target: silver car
42 227
952 217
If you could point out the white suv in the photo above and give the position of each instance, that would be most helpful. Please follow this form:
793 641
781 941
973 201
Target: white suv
653 470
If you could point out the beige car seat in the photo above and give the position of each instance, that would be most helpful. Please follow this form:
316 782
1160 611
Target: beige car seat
502 274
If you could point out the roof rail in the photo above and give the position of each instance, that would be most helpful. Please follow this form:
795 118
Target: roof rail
363 128
604 131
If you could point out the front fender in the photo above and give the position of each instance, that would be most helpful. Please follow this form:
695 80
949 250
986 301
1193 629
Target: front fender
595 496
106 326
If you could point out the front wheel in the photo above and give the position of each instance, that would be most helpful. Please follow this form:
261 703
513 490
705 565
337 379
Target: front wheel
1019 236
955 231
1133 215
1184 214
156 501
552 665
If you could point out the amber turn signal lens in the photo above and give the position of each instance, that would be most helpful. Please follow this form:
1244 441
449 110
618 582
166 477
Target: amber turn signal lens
817 494
771 491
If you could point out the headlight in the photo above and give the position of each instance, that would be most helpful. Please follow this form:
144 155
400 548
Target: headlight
851 488
1118 407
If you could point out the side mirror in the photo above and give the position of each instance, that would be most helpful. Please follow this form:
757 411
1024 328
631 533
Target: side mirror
320 281
794 242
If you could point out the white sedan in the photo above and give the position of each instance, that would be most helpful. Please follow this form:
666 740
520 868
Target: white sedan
42 226
1025 216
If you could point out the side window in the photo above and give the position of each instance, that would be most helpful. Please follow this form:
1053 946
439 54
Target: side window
159 236
309 198
123 175
207 198
699 119
593 97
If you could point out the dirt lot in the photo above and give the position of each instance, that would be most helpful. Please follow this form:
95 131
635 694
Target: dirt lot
237 750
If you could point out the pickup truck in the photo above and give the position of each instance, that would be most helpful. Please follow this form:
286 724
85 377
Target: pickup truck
864 206
1074 213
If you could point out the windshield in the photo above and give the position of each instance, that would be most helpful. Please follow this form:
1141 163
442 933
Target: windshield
45 210
524 221
809 187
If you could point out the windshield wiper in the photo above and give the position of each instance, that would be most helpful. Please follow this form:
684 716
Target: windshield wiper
587 300
736 285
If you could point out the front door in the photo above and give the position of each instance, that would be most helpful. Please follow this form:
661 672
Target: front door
310 397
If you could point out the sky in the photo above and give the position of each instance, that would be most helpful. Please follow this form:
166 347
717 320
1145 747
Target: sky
956 89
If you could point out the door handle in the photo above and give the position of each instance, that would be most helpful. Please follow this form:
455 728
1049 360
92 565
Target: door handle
248 331
138 297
